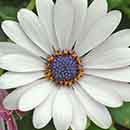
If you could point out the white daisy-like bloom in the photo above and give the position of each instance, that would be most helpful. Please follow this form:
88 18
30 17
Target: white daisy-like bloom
66 63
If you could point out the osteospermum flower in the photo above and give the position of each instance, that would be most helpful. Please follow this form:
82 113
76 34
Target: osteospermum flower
66 63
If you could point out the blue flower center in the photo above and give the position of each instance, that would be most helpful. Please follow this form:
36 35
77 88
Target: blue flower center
64 68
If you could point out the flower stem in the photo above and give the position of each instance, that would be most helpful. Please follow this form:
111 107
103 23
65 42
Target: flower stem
31 5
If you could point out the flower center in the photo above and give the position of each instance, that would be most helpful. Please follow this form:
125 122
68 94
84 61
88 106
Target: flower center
64 67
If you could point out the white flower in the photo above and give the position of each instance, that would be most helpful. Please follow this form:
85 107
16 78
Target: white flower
66 64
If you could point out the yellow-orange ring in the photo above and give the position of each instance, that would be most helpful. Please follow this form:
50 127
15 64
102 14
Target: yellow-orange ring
48 71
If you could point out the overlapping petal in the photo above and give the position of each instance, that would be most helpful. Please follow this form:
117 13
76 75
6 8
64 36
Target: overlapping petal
95 111
100 91
37 93
34 29
21 63
15 79
16 34
99 32
111 59
63 10
62 110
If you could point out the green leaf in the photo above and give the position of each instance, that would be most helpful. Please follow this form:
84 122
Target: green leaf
31 5
1 71
14 3
94 127
115 3
122 115
3 37
26 123
8 13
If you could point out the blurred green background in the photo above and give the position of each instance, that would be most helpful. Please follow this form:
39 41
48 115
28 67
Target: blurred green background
8 11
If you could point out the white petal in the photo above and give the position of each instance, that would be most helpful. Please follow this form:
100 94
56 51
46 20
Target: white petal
11 101
95 111
63 21
80 12
120 39
12 80
16 34
37 93
123 89
122 74
10 48
34 29
43 113
21 63
45 12
100 91
111 59
96 10
79 119
100 31
62 110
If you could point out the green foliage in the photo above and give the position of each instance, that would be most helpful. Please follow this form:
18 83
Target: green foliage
8 13
123 5
94 127
122 115
26 123
1 71
9 8
115 3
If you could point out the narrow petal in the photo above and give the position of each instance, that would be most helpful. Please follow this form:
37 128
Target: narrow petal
10 48
62 110
100 31
16 34
43 113
96 10
45 12
119 39
63 21
79 119
21 63
37 93
122 89
101 92
11 124
121 74
34 29
95 111
11 101
111 59
80 12
2 124
14 79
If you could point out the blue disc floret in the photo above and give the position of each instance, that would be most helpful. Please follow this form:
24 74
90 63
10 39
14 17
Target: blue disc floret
64 67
